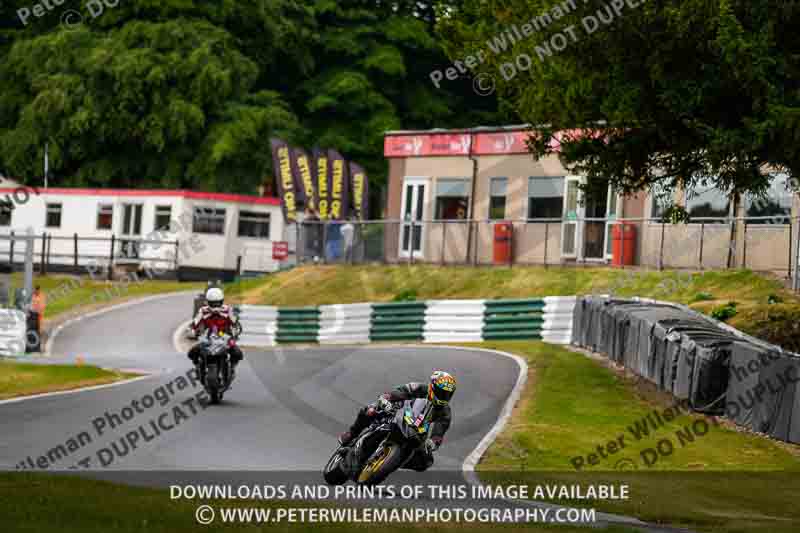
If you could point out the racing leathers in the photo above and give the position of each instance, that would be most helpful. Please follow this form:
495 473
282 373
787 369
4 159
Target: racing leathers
217 319
441 417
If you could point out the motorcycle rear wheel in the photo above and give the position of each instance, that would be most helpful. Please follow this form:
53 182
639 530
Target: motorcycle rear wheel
386 459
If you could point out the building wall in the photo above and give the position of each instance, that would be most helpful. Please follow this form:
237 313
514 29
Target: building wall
79 216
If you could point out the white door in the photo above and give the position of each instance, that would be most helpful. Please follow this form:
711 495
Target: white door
571 239
412 228
131 230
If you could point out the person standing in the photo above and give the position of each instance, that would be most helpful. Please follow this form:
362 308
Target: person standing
347 231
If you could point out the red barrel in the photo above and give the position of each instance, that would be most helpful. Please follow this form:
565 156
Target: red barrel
623 244
503 232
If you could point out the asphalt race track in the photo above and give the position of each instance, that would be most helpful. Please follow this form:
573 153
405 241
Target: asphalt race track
283 412
279 422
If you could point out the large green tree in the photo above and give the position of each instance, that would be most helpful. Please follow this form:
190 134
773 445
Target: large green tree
675 91
186 93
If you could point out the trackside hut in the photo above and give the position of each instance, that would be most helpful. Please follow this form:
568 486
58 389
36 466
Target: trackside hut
213 229
440 180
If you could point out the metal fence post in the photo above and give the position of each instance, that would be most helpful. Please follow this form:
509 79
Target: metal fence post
702 233
661 246
177 253
744 245
511 247
41 260
476 233
789 272
546 239
75 251
111 258
797 260
11 251
444 241
49 249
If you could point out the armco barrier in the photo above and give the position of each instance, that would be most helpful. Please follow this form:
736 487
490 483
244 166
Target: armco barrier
345 324
548 319
297 324
404 321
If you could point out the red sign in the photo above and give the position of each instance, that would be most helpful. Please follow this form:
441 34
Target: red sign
427 144
280 250
458 144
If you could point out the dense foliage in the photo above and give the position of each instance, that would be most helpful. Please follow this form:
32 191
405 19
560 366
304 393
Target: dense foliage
186 93
675 91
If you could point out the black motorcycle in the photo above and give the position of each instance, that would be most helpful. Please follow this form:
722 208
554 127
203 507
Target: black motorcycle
398 432
214 364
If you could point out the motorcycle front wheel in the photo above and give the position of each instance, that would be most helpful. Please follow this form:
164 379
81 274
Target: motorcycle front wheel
333 473
386 459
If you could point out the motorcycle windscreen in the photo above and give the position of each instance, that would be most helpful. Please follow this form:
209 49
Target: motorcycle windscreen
413 417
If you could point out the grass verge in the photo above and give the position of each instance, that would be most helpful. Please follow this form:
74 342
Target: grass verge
67 294
573 405
31 503
24 379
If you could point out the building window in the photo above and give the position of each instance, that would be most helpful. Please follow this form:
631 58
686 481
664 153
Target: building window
545 197
452 199
497 198
776 203
710 204
53 219
252 224
163 217
209 220
105 216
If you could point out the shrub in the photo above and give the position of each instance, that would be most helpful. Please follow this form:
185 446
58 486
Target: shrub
406 295
723 313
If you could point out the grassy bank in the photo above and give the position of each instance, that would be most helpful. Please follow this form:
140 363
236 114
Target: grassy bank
777 322
713 480
70 293
34 503
23 379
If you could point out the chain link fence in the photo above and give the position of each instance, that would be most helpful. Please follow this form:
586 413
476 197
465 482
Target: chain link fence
764 244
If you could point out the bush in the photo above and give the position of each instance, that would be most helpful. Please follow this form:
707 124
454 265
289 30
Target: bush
406 295
723 313
702 297
773 299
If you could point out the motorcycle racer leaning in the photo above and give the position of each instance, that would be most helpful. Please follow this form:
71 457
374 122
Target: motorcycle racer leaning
216 316
439 390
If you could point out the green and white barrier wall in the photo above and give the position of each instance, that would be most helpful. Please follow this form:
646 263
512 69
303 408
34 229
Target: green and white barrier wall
548 319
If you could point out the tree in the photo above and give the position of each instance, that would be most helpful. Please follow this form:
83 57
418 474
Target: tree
187 93
670 92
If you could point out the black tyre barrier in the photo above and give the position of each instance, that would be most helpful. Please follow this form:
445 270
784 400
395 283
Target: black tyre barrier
712 367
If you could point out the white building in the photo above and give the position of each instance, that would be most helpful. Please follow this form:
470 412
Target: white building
216 233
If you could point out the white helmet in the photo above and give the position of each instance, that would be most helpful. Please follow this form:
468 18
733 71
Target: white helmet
215 297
